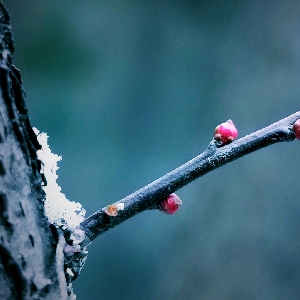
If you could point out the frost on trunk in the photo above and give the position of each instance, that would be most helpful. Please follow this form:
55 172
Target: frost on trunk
31 257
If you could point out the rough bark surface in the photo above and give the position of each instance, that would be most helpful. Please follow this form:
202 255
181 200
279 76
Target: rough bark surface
29 264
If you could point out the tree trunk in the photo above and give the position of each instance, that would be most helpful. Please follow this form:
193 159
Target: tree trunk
31 259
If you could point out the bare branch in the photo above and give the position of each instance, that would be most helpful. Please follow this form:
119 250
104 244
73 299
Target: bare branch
213 157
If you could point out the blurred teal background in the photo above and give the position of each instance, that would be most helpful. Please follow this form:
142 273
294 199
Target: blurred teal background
129 90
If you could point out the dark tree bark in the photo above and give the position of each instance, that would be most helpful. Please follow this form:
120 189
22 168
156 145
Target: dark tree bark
31 263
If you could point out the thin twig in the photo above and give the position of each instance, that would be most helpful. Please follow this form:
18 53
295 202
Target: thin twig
213 157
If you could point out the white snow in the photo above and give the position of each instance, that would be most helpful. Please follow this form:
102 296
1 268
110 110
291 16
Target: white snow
59 210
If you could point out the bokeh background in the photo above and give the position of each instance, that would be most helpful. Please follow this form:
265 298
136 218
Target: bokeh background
129 90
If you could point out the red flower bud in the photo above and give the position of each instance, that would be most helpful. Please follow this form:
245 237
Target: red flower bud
226 132
171 204
296 129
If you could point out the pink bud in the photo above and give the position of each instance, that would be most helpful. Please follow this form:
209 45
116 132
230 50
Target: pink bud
171 204
226 132
296 129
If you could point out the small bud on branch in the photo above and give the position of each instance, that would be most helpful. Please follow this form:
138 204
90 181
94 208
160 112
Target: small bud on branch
296 129
225 133
171 204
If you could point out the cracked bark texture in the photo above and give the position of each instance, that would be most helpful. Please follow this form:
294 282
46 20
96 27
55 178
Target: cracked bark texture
30 265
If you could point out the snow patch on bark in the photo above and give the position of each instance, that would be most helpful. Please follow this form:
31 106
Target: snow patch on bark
59 210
